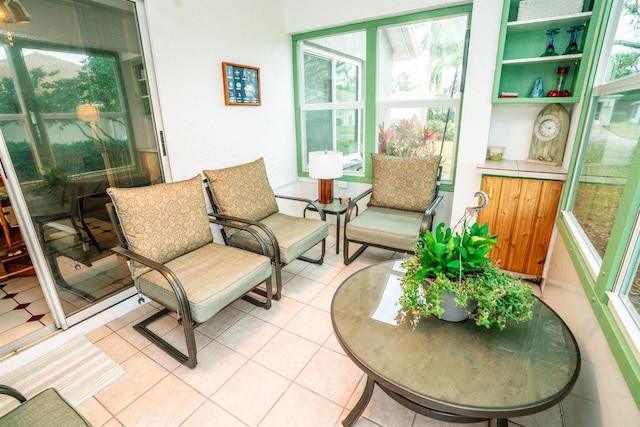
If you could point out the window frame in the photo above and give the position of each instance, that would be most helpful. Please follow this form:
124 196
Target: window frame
603 277
370 71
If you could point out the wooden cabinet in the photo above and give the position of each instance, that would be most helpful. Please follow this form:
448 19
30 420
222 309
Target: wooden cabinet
522 42
522 212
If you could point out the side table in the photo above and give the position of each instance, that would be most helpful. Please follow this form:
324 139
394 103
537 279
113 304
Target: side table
334 208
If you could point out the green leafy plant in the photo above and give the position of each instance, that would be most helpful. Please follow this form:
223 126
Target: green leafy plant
458 263
454 255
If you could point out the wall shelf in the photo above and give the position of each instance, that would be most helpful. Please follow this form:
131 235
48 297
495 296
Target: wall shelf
521 44
543 59
542 24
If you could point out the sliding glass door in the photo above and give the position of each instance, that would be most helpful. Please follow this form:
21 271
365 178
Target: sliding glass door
76 118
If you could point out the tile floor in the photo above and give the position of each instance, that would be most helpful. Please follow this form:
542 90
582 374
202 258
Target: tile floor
284 367
23 309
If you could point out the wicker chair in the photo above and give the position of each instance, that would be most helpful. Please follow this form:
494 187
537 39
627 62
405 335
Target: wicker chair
164 230
404 196
242 193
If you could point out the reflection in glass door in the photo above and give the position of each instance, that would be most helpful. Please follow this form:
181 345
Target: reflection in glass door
76 118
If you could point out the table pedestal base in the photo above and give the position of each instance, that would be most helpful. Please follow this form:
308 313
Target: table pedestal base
428 412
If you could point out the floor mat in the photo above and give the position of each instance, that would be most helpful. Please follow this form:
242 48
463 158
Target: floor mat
77 369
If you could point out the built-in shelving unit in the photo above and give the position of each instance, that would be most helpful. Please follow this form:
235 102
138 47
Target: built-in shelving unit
522 43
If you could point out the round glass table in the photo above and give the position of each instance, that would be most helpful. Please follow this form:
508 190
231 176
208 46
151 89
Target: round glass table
455 372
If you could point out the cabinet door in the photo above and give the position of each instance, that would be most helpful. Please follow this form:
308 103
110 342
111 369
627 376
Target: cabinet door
500 213
523 225
543 223
522 213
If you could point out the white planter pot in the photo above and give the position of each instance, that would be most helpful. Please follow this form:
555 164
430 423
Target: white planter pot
452 311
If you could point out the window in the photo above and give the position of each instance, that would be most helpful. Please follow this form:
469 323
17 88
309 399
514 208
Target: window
604 199
606 163
333 103
391 86
419 73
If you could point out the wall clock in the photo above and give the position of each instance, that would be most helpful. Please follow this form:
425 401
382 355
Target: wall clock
549 139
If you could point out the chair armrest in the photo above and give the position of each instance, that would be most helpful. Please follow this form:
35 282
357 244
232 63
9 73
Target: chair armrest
232 221
10 391
235 224
352 204
314 204
173 280
427 219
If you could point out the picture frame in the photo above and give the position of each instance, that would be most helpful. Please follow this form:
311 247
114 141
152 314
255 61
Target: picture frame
241 84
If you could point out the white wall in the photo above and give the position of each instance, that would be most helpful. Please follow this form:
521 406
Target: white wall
190 39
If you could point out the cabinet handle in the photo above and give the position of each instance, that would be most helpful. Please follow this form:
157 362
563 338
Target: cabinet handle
490 191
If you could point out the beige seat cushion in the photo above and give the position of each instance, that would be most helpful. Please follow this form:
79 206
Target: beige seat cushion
213 276
295 235
404 183
243 191
163 221
387 227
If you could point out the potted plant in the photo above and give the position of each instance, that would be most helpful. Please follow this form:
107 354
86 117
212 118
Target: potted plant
455 265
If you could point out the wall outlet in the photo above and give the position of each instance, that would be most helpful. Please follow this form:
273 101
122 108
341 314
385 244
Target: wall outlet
343 184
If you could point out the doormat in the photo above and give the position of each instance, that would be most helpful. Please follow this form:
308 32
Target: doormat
77 369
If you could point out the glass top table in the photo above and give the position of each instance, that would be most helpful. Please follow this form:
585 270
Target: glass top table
455 372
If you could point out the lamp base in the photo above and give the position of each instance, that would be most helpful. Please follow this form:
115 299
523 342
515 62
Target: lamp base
325 191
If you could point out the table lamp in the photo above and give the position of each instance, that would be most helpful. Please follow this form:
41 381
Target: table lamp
325 165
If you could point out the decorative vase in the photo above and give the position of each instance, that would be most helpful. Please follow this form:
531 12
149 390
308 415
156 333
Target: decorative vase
452 311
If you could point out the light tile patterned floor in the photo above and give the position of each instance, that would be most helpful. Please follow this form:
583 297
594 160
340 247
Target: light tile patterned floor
284 367
23 309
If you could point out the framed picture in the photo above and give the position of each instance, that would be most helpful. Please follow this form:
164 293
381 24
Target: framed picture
241 84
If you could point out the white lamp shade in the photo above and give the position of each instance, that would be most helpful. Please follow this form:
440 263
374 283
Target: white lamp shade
325 164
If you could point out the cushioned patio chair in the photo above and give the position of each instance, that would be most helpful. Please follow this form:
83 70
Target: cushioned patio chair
165 232
243 193
45 409
404 196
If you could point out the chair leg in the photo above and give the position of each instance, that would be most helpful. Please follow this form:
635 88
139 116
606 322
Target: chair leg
189 334
345 253
278 270
319 260
276 296
268 294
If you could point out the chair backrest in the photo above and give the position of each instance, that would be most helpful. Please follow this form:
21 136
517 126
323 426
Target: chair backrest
162 221
242 191
404 183
117 228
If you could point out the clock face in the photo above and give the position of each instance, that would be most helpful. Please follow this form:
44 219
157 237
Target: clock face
547 128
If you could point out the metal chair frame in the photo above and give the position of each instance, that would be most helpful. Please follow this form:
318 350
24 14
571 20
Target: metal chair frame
425 225
183 309
276 261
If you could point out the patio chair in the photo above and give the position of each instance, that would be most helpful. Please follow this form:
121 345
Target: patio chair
45 409
242 193
164 231
404 196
